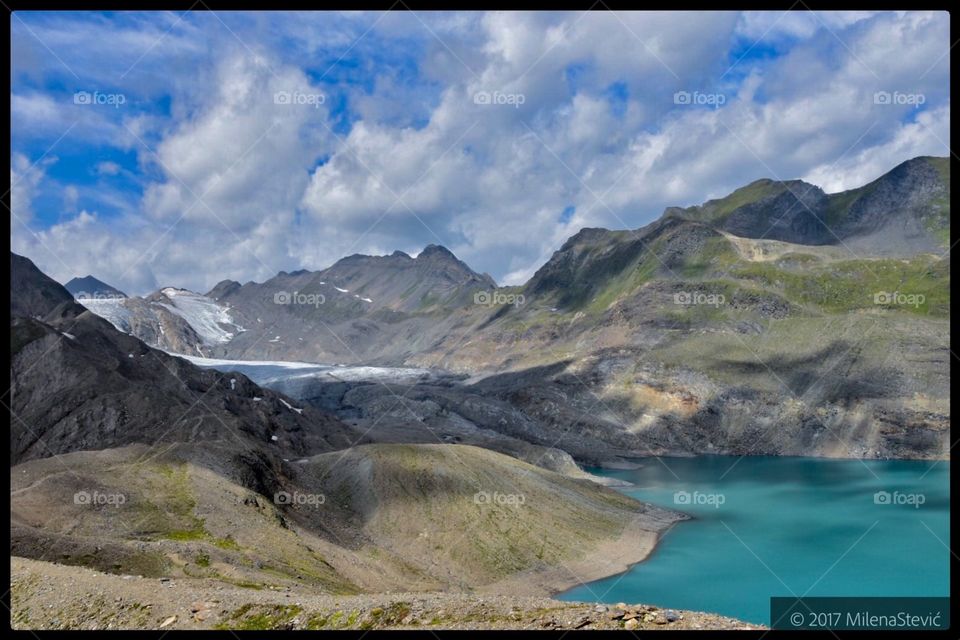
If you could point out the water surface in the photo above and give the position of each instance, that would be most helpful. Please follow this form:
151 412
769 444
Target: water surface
767 526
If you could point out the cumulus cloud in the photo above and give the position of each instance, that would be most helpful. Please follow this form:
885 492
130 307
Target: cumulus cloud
292 140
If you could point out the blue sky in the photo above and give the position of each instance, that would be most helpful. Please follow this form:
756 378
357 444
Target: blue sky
155 149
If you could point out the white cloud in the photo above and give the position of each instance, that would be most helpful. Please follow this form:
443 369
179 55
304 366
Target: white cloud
927 136
278 190
25 178
108 168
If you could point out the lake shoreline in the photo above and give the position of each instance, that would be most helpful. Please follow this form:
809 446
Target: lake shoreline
609 559
749 514
632 463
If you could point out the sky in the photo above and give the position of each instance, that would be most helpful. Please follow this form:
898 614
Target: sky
180 149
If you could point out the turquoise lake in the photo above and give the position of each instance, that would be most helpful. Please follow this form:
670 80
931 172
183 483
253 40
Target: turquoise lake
767 526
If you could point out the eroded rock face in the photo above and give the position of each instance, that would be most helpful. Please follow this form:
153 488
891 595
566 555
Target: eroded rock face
610 406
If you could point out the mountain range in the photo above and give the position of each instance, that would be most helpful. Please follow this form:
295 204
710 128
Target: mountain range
824 314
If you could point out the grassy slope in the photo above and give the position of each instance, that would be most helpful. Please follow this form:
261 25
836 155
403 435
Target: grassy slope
421 503
393 517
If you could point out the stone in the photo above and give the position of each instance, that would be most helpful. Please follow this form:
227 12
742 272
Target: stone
582 622
631 624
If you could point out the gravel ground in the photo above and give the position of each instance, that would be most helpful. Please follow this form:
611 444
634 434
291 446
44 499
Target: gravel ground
52 596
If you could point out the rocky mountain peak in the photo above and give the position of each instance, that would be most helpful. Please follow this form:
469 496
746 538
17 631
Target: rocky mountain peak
223 288
89 287
432 251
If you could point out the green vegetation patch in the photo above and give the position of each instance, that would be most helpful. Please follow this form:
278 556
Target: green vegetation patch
252 617
913 286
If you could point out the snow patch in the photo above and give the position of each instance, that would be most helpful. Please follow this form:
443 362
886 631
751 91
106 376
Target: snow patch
112 310
289 406
275 373
212 321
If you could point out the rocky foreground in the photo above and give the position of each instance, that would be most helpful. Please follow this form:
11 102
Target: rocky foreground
52 596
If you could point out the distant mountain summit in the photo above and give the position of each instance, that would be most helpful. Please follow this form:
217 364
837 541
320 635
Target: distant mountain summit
785 246
903 212
90 287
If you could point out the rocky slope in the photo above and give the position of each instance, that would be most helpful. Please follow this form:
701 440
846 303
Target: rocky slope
96 601
78 383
